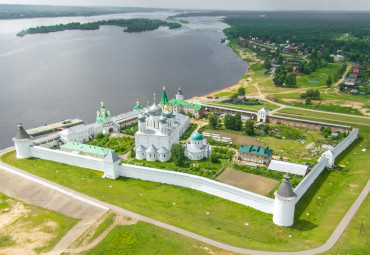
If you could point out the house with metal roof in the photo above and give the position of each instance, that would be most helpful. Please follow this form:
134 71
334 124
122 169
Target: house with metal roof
255 154
181 106
86 149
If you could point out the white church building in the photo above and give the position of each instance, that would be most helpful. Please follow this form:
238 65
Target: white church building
198 148
105 124
158 130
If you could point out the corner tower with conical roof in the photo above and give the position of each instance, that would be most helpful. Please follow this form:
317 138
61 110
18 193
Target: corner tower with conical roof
22 142
284 204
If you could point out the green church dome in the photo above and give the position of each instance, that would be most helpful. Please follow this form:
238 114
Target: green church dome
196 136
100 121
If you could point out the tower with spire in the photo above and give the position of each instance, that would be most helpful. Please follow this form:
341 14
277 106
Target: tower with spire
23 143
284 204
164 99
179 95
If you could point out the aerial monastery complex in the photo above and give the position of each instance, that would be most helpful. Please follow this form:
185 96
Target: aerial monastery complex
160 126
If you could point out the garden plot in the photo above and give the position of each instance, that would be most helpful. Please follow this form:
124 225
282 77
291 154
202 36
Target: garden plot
251 182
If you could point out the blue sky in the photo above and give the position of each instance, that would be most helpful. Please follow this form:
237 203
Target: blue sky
361 5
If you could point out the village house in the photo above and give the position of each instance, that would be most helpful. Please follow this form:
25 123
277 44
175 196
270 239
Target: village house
255 154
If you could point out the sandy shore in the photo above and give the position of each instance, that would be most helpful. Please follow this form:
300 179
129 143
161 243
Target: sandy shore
234 87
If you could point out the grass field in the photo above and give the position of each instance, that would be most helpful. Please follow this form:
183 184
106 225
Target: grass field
318 77
143 238
355 239
29 229
325 117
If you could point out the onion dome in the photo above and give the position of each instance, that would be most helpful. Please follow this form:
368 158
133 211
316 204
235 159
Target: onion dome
137 106
163 119
196 137
21 133
168 114
141 117
285 190
155 110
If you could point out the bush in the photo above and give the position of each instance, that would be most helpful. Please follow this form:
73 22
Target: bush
189 131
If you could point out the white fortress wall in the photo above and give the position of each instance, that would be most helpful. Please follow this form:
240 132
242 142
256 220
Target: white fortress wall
225 191
310 178
319 167
68 158
345 143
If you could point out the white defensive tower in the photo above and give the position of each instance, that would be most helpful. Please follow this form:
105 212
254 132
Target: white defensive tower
22 142
284 204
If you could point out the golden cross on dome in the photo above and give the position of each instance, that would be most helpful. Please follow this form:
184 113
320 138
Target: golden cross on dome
154 96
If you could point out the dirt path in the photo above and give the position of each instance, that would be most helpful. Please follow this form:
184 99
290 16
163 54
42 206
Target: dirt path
200 124
118 220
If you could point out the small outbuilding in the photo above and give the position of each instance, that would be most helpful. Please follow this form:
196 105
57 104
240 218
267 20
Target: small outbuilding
287 167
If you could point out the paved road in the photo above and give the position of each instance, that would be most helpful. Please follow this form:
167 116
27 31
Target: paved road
329 244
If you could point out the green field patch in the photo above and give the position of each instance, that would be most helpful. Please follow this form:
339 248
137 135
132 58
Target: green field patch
324 117
356 239
319 77
143 238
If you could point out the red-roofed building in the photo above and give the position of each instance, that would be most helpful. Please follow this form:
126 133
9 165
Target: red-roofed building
356 65
355 70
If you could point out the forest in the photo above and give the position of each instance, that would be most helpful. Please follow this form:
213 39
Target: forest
324 31
319 35
130 25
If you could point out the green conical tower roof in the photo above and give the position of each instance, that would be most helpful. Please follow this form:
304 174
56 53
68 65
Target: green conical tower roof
164 99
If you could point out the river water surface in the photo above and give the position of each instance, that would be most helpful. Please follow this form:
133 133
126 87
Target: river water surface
46 78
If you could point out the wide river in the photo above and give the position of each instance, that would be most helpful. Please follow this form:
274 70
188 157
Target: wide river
46 78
